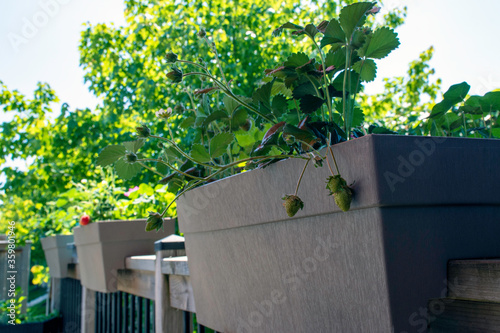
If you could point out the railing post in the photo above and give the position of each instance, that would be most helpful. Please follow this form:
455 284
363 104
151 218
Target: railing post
167 319
88 310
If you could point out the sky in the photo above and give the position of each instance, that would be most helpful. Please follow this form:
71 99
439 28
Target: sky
39 42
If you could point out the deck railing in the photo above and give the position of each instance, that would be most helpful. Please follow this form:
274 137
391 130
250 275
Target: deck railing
154 295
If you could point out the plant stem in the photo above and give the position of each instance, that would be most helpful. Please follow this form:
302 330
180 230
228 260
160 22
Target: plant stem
325 78
301 174
230 94
217 60
181 151
333 158
328 162
178 196
149 168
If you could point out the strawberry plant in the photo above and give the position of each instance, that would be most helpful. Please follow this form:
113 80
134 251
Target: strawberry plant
304 104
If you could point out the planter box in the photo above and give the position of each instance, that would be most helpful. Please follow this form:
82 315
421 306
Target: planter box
103 246
419 202
57 254
52 325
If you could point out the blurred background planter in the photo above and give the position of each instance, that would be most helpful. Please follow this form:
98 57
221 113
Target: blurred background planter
57 254
418 202
103 246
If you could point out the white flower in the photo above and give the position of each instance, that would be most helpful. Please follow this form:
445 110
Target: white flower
164 114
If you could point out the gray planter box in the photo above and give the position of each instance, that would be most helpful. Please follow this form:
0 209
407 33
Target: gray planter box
103 246
57 254
419 202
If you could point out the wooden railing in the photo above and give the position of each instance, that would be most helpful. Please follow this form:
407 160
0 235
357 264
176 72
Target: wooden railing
154 295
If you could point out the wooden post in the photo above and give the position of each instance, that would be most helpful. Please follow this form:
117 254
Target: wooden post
55 294
88 310
167 319
20 268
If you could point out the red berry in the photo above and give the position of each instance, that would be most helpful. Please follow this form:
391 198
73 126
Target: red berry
85 219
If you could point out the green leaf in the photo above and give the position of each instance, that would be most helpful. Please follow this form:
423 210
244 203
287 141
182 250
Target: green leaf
311 30
357 117
335 58
309 103
126 170
280 88
214 116
239 118
288 25
230 104
299 134
367 69
353 16
296 60
279 105
382 42
338 83
440 108
187 122
200 153
262 96
456 93
493 100
304 89
110 155
219 144
333 34
134 146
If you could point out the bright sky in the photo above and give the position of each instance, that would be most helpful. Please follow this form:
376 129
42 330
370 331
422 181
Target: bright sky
39 42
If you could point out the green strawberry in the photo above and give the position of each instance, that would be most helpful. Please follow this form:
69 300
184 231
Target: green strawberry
292 204
334 183
343 198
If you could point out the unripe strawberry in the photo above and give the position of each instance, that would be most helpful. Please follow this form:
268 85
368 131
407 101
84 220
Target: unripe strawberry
85 219
334 183
343 198
175 75
171 57
292 204
154 221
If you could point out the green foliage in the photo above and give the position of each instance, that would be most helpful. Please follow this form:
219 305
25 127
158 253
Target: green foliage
297 114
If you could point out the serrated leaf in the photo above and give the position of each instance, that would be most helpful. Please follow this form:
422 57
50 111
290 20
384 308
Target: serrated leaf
456 93
200 153
353 16
333 34
311 30
187 122
309 103
134 146
262 96
126 170
230 104
271 136
280 88
367 69
239 118
288 25
279 105
357 117
299 134
110 155
296 60
335 58
304 89
219 144
214 116
380 44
